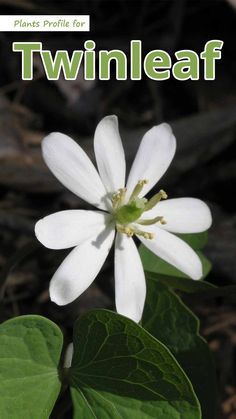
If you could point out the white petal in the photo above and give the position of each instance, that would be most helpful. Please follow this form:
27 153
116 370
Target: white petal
174 251
80 268
109 154
183 215
70 228
68 355
154 156
130 285
73 168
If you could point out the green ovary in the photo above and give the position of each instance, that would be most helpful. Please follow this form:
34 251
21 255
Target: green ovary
128 213
125 215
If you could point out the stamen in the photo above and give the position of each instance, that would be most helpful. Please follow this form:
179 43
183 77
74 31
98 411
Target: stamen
130 231
155 199
138 188
125 214
152 221
122 195
118 198
115 200
163 221
125 230
144 234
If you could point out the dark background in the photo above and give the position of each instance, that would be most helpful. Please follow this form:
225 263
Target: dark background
202 114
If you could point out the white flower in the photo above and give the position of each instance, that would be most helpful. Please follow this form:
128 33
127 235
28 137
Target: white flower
125 212
68 355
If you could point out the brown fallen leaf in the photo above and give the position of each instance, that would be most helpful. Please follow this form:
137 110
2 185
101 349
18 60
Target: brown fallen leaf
229 404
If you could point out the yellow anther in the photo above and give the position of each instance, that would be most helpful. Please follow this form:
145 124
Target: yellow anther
115 200
148 236
137 189
143 182
118 198
125 230
115 196
163 194
130 231
145 234
163 221
155 199
122 192
155 220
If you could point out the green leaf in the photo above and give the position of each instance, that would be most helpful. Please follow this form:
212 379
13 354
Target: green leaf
30 349
183 284
167 274
120 371
154 264
197 240
170 321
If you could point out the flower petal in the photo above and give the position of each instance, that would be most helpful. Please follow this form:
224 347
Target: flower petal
182 215
130 285
80 268
68 355
154 155
174 251
109 154
70 228
73 168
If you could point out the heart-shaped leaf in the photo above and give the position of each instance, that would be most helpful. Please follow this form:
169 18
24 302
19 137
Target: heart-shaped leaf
30 349
170 321
120 371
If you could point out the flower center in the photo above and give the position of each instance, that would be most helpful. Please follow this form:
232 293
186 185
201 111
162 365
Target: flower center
125 214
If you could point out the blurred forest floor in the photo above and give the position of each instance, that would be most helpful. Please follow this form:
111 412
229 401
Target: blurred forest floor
203 117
